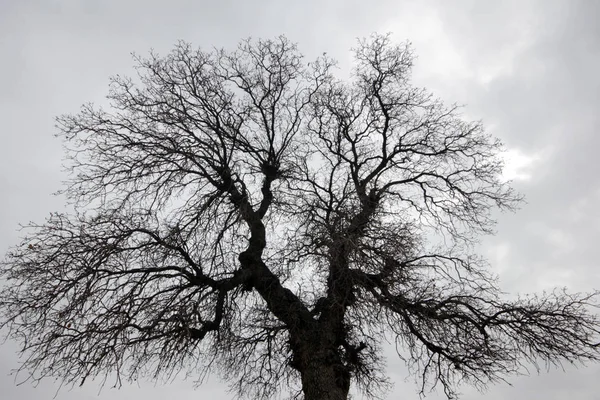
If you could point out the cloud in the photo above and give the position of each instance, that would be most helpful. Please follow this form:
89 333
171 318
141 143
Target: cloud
519 166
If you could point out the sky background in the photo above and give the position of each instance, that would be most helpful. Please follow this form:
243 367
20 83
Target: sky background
528 69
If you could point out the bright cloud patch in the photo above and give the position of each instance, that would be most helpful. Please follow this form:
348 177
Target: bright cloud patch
518 166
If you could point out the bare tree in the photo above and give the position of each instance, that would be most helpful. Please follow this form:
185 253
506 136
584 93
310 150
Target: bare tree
247 213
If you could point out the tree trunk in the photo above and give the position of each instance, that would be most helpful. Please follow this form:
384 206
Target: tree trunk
322 380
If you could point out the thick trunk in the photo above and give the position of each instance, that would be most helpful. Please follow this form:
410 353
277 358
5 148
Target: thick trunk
325 381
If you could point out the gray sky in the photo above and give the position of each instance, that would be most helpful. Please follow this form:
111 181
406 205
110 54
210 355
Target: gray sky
528 69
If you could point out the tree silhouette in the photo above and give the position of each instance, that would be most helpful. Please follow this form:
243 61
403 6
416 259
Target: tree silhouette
249 214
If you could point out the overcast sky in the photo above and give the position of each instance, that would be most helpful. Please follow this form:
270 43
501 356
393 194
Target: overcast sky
528 69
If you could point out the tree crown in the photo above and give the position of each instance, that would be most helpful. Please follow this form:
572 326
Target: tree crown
246 211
